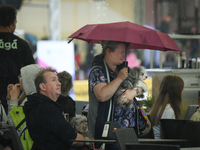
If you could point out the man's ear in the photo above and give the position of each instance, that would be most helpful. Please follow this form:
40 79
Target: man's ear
42 87
108 50
11 25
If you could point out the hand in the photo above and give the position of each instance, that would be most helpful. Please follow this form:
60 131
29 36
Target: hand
15 92
130 94
123 73
9 88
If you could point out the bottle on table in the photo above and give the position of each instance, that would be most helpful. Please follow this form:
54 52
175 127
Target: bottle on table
184 62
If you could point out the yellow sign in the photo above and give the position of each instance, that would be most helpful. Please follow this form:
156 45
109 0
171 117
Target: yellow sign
81 89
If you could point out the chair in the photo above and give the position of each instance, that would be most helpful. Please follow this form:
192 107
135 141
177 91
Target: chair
15 138
125 135
138 146
191 132
190 111
172 128
9 132
79 106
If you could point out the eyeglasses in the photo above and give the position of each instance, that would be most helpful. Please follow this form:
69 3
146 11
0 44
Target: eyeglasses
19 76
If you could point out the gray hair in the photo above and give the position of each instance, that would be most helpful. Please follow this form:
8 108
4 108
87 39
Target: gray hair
112 45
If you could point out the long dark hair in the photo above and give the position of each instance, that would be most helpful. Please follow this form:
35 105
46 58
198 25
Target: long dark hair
170 92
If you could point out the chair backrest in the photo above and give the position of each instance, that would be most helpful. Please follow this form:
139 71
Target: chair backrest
190 111
79 106
146 146
125 135
191 132
172 128
15 138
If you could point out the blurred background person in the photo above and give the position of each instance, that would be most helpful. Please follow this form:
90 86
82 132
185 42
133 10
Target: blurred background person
165 24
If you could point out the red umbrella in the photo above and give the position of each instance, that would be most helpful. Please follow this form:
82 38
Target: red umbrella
138 36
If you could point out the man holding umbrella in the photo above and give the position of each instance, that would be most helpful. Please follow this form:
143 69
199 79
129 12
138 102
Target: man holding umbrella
101 90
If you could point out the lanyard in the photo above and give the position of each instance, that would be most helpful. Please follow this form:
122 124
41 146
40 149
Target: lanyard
108 78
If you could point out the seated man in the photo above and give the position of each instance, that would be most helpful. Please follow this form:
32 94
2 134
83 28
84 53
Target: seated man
45 118
196 115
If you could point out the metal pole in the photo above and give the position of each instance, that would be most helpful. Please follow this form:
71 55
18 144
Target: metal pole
54 19
151 59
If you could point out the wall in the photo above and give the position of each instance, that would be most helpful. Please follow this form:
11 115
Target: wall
33 15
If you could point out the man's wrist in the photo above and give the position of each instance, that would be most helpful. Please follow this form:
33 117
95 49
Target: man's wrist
7 98
137 91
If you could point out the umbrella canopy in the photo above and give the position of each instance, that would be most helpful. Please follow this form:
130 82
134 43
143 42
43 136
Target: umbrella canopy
138 36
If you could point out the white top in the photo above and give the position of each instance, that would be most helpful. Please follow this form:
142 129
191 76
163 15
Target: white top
167 114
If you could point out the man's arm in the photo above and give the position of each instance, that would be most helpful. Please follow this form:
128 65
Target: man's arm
79 137
28 55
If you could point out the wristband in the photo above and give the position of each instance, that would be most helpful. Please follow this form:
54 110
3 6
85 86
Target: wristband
137 91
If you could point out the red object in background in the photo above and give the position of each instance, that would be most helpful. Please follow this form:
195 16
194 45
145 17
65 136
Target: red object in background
78 59
138 36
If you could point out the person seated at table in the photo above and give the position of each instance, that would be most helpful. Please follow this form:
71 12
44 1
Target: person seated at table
196 115
168 102
64 99
16 100
44 116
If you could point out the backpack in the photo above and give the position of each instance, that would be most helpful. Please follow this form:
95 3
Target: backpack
18 120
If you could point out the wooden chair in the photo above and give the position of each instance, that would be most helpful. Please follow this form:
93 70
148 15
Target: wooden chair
125 135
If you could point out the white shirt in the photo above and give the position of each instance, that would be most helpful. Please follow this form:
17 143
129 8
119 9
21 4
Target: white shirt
167 114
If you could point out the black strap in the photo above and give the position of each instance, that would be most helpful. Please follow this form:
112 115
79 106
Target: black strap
19 125
1 115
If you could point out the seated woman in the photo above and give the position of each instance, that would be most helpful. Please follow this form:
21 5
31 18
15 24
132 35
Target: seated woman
168 102
16 102
64 99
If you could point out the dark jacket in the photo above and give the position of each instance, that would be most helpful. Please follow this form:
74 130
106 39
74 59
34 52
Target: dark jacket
46 124
68 104
15 53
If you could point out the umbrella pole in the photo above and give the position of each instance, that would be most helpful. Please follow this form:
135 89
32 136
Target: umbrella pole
161 60
151 59
125 58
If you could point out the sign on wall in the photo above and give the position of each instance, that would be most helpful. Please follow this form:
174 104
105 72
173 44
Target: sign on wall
57 54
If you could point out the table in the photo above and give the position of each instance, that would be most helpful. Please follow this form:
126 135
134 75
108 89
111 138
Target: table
96 141
140 140
190 148
153 146
164 141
